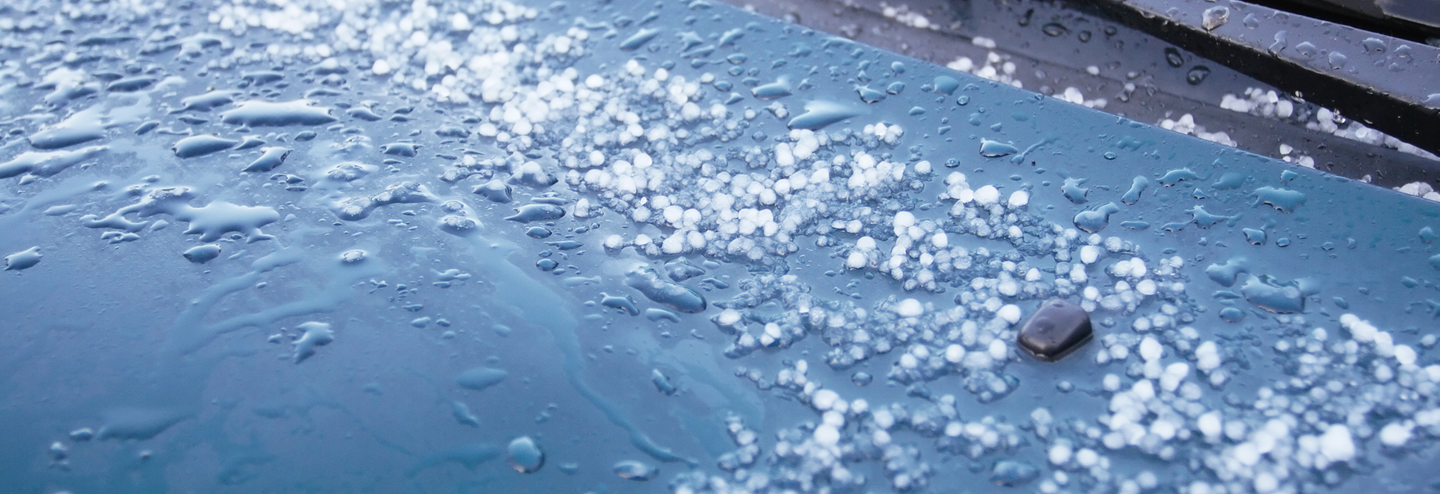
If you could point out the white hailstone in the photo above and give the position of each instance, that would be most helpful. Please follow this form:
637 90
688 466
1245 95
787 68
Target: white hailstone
856 260
1087 457
381 67
783 156
727 317
1143 390
614 242
1174 374
1265 482
940 240
880 438
833 418
827 435
909 308
1019 199
954 429
865 243
1361 330
824 399
904 220
883 418
1207 356
1395 434
1246 453
673 244
1336 443
987 195
922 167
1210 424
954 353
460 22
1090 253
1146 287
1009 313
920 352
1059 454
1032 275
1150 349
1164 429
859 406
1404 354
997 349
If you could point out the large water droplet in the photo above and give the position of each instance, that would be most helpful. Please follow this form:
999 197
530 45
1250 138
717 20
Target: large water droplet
1197 75
525 455
1173 57
1214 17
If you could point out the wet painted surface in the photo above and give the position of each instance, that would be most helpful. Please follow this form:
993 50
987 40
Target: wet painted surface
831 283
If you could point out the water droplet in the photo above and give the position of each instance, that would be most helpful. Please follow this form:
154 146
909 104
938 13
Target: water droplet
946 85
1012 473
819 114
22 260
1337 60
130 84
635 41
775 90
1176 176
1306 49
1279 43
1284 200
1073 191
1137 186
1231 314
45 164
634 470
662 383
1197 75
201 145
679 297
524 455
1254 236
202 254
536 212
480 378
1230 180
1205 219
1055 29
1096 218
996 149
1225 274
869 95
1173 57
255 113
269 159
1374 45
1214 17
1270 294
